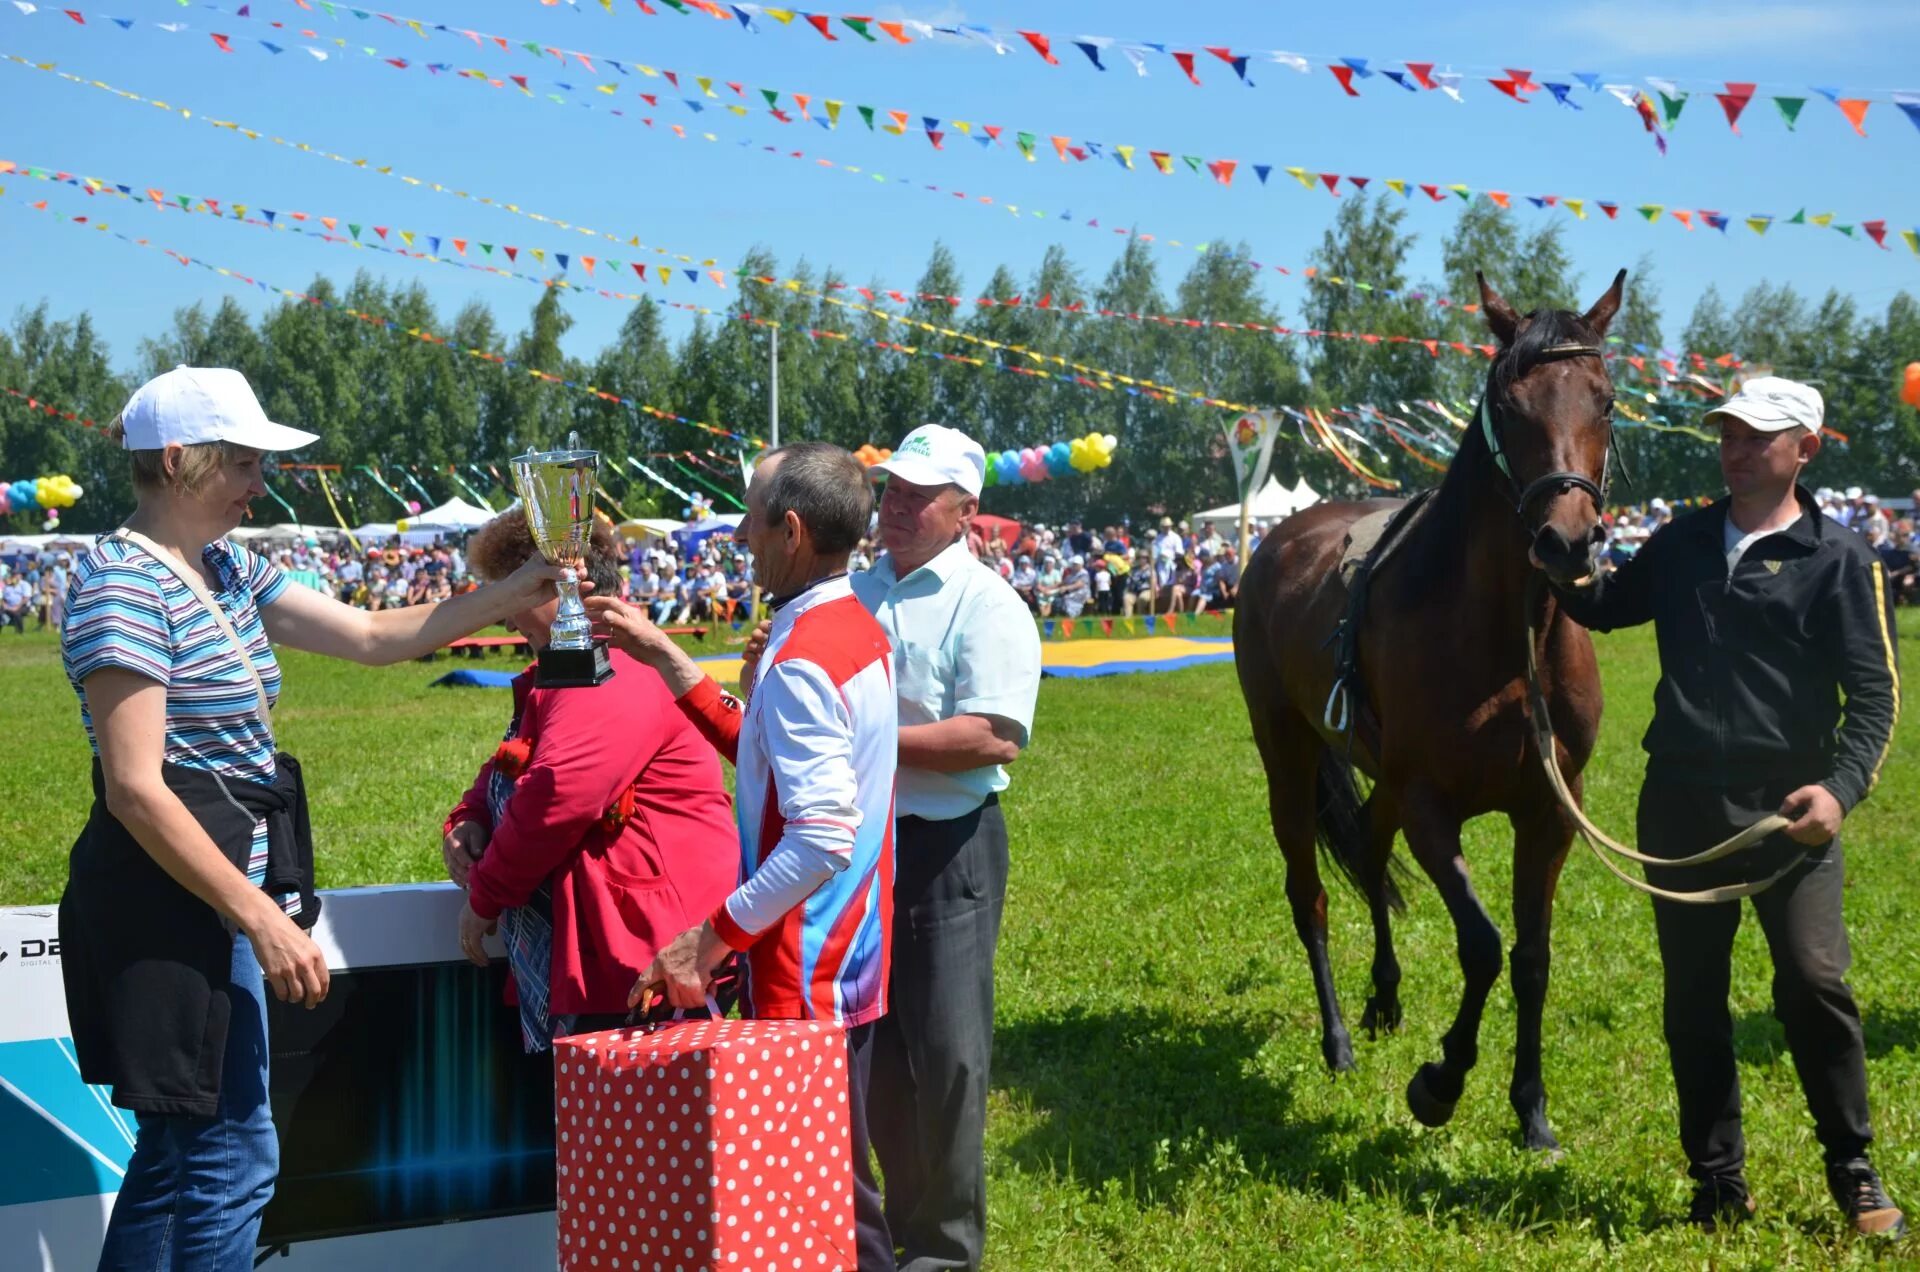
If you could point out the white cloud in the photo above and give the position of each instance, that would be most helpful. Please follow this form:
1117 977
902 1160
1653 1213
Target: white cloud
1646 27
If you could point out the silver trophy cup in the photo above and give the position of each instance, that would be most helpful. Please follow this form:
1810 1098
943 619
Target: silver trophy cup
556 491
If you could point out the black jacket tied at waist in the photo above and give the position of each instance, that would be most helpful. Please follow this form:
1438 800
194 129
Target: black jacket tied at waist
146 963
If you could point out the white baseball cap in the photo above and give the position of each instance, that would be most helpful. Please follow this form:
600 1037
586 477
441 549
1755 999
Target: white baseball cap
189 405
1770 404
935 455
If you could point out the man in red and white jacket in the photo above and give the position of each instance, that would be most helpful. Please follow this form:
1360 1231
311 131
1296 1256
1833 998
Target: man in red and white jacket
814 755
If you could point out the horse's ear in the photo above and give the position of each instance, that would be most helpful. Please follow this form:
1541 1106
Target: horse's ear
1607 306
1501 320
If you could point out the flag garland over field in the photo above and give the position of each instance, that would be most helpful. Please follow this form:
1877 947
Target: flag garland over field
1417 77
1028 144
297 223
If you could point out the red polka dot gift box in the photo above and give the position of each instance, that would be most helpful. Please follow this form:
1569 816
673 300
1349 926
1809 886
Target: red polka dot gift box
705 1144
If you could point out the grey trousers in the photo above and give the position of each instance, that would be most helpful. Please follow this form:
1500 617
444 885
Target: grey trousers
927 1106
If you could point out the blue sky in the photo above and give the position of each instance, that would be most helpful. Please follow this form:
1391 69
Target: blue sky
718 200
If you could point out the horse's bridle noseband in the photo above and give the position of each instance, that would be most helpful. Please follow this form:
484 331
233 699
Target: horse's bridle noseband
1555 482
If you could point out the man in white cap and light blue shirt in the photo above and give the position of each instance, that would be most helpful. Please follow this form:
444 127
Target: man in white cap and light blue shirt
1767 615
966 663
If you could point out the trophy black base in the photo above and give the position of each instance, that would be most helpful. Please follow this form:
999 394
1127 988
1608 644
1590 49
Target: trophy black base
573 668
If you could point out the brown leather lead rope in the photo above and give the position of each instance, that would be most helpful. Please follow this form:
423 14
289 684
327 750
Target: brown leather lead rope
1597 839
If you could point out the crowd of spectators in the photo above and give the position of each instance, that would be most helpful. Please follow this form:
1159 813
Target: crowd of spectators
1067 571
1116 570
712 582
34 588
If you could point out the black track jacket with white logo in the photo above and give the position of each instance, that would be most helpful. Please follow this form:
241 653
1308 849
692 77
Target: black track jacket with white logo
1752 664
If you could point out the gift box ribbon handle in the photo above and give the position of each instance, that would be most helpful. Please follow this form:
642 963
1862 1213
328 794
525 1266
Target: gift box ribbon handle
714 1012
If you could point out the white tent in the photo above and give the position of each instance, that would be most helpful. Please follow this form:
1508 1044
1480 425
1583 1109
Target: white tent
455 514
1272 502
289 531
657 527
376 534
58 541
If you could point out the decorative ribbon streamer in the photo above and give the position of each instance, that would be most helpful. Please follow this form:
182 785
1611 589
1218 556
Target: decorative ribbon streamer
156 200
1223 170
707 484
385 170
1758 223
185 203
390 325
601 493
1414 77
41 405
381 482
1134 387
1417 76
427 499
460 481
658 480
275 496
295 223
327 490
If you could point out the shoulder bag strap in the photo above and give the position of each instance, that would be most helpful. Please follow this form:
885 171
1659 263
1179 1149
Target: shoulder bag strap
198 587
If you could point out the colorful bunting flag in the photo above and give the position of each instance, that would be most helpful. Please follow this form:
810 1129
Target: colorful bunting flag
1735 100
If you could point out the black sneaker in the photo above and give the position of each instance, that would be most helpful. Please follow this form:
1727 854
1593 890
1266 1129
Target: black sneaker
1720 1202
1856 1186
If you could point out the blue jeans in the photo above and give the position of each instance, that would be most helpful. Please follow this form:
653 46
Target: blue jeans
196 1186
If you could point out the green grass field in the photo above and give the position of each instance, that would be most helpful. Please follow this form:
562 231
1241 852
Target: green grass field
1159 1100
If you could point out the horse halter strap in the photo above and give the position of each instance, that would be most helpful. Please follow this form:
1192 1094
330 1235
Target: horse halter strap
1556 481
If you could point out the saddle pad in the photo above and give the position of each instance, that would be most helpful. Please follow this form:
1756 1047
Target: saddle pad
1363 536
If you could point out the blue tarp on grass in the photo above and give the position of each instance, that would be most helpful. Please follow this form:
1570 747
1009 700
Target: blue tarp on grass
1120 667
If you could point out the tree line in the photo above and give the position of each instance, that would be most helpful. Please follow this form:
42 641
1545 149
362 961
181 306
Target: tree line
378 397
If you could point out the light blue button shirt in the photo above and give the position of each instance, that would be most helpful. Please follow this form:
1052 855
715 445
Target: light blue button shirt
963 644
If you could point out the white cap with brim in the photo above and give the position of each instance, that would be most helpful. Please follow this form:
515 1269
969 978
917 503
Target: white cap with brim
935 455
190 405
1772 404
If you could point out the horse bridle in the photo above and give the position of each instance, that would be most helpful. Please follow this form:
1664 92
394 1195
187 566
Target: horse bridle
1554 482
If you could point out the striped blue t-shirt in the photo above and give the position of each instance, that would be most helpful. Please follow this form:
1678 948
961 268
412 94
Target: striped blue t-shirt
127 610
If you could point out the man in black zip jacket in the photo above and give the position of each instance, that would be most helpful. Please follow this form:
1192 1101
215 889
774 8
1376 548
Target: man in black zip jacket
1766 612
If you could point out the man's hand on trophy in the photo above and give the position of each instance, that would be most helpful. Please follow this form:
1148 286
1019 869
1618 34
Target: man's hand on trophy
534 582
628 628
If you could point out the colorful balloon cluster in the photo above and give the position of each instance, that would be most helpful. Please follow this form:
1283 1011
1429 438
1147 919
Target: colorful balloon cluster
1910 390
869 454
697 511
30 494
1038 463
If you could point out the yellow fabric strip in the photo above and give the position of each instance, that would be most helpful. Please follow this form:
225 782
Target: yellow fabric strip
328 492
1893 669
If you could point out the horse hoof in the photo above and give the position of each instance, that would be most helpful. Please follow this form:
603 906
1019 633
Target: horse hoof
1539 1139
1339 1056
1381 1016
1427 1108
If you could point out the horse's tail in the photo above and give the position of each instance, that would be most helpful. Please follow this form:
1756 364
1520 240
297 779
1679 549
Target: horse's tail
1340 824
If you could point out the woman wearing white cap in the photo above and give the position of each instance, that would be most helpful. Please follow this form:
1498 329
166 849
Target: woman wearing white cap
190 889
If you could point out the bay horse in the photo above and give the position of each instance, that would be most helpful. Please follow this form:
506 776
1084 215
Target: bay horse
1439 717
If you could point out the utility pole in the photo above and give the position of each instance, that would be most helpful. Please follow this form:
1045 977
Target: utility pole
773 388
